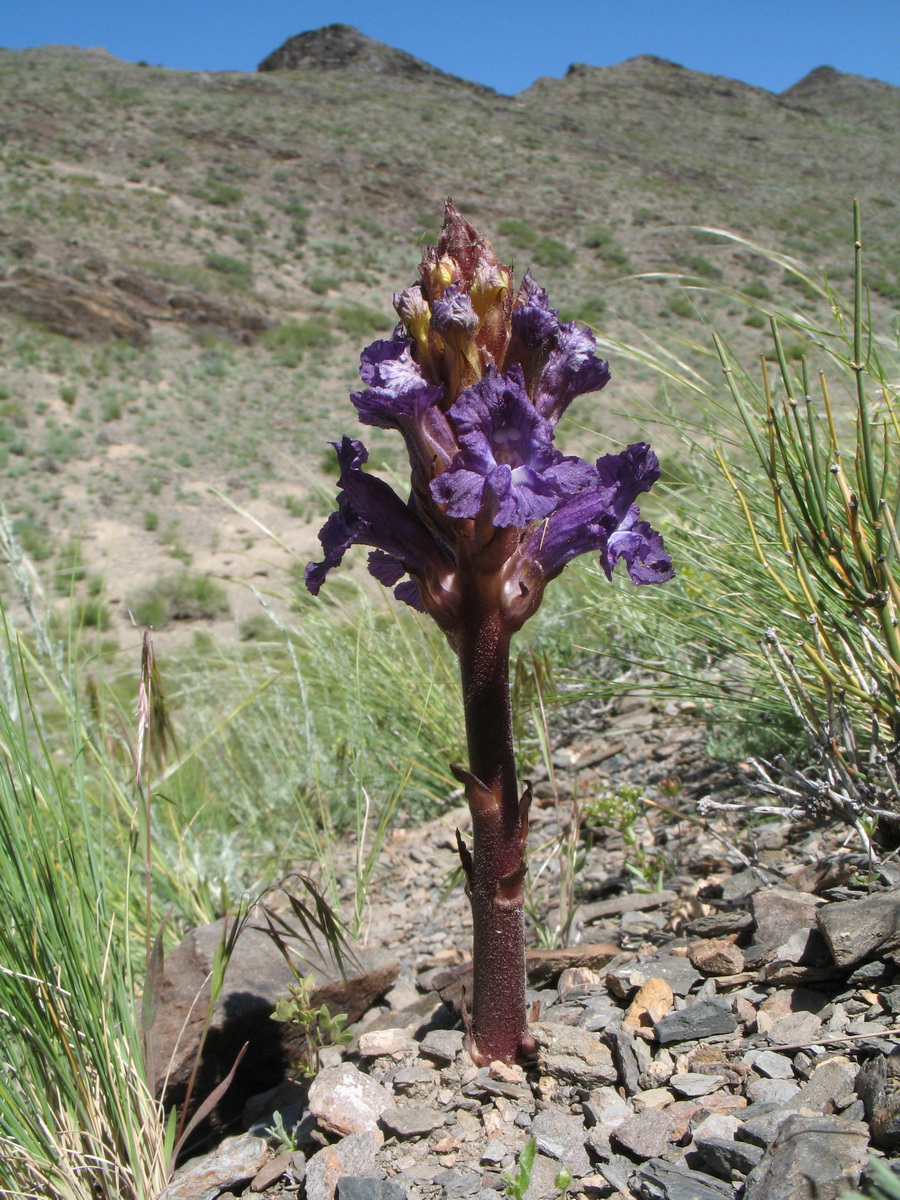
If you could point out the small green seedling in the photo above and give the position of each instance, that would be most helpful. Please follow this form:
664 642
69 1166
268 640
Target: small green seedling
319 1026
517 1181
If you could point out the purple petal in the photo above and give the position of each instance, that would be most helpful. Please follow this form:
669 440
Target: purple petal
410 593
508 467
453 313
642 550
603 516
397 391
571 370
385 569
371 513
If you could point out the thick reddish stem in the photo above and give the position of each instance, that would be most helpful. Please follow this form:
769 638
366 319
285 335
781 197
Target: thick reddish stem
496 867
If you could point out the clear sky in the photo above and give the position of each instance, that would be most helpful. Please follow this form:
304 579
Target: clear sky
506 44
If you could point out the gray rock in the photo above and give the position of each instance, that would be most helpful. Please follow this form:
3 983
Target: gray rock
622 1044
719 924
660 1180
678 973
878 1085
811 1157
646 1135
860 929
365 1187
411 1122
770 1064
234 1161
442 1045
456 1184
762 1122
721 1156
290 1165
781 912
562 1137
776 1091
574 1055
692 1083
743 884
344 1100
697 1021
354 1155
494 1152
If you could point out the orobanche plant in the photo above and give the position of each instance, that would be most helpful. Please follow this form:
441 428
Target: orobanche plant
475 378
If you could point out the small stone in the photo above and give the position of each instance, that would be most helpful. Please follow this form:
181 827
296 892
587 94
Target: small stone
494 1152
606 1108
653 1000
697 1021
365 1187
234 1161
646 1135
859 929
780 912
678 973
392 1042
456 1184
716 956
659 1097
692 1083
716 1125
562 1137
345 1101
810 1156
794 1029
776 1091
353 1155
661 1180
411 1122
719 924
573 1055
442 1044
770 1064
721 1156
577 982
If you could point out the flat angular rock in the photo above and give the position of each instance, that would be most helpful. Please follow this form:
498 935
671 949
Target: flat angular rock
770 1064
716 956
234 1161
574 1055
364 1187
392 1042
721 1156
345 1100
354 1155
860 929
646 1135
562 1137
411 1122
256 977
701 1020
780 912
811 1158
660 1180
442 1044
693 1083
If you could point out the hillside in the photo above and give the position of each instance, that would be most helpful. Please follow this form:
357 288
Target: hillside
190 262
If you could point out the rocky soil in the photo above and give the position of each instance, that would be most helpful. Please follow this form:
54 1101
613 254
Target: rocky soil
722 1022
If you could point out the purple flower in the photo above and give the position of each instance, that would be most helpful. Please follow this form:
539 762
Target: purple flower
400 397
508 467
371 513
559 361
602 516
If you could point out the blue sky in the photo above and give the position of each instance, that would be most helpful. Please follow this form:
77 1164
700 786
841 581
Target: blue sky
506 44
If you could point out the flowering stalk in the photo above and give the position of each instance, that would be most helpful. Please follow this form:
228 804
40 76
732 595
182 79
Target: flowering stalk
475 377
